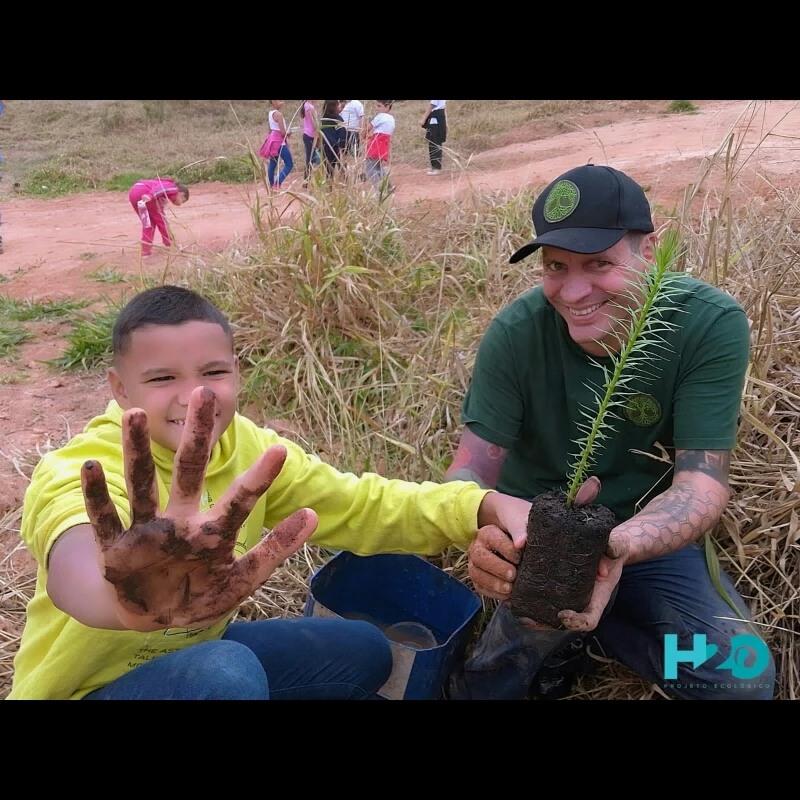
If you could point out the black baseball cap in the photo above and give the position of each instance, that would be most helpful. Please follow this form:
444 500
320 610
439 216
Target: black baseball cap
587 210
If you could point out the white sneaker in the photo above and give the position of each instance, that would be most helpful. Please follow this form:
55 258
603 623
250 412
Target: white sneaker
434 172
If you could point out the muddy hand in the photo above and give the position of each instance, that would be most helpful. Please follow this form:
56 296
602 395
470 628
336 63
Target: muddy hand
609 571
178 568
497 548
492 557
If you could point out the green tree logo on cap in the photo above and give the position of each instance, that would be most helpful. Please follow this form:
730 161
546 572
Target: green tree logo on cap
643 410
562 201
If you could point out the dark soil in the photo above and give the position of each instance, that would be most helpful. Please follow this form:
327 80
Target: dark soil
559 564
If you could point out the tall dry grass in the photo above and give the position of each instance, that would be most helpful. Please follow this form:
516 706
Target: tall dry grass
751 250
357 325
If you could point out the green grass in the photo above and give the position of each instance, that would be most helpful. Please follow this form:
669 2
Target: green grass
226 169
89 342
123 181
13 312
681 107
12 334
106 275
27 310
54 180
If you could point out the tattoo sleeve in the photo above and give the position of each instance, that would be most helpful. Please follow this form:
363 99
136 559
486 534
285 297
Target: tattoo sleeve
715 463
690 508
476 460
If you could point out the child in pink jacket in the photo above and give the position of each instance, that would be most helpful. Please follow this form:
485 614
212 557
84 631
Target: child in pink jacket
148 199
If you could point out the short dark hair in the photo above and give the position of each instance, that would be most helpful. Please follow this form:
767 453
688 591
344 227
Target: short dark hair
387 103
164 305
330 109
635 239
184 190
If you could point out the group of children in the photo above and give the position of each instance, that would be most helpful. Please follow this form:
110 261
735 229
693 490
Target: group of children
329 136
337 133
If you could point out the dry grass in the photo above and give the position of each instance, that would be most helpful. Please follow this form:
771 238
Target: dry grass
358 325
753 251
60 146
17 582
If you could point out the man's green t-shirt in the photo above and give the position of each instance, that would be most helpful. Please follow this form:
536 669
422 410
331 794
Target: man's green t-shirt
531 379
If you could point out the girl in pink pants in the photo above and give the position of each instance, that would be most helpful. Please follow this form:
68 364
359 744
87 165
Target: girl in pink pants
148 199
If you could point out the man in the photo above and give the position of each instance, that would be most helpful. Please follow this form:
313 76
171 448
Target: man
529 385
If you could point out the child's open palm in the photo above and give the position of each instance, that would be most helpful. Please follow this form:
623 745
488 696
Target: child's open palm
178 569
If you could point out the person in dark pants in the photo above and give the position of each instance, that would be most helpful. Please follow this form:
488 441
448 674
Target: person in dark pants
333 133
534 373
435 124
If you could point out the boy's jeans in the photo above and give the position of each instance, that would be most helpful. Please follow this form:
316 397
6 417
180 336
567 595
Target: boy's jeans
297 659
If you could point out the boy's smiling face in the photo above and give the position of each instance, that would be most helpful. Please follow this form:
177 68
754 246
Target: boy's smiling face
163 363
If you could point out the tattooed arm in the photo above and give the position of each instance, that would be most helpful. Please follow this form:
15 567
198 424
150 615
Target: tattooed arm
690 508
677 517
493 553
476 460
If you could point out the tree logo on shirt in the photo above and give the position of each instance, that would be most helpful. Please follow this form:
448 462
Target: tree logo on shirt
643 410
562 201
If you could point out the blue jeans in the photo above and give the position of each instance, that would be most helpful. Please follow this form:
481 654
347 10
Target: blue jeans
297 659
375 169
286 156
671 594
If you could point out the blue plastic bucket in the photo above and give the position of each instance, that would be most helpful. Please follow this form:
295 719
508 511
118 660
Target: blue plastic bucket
425 613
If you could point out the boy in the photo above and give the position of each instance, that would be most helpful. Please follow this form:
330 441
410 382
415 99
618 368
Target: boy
142 566
379 142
